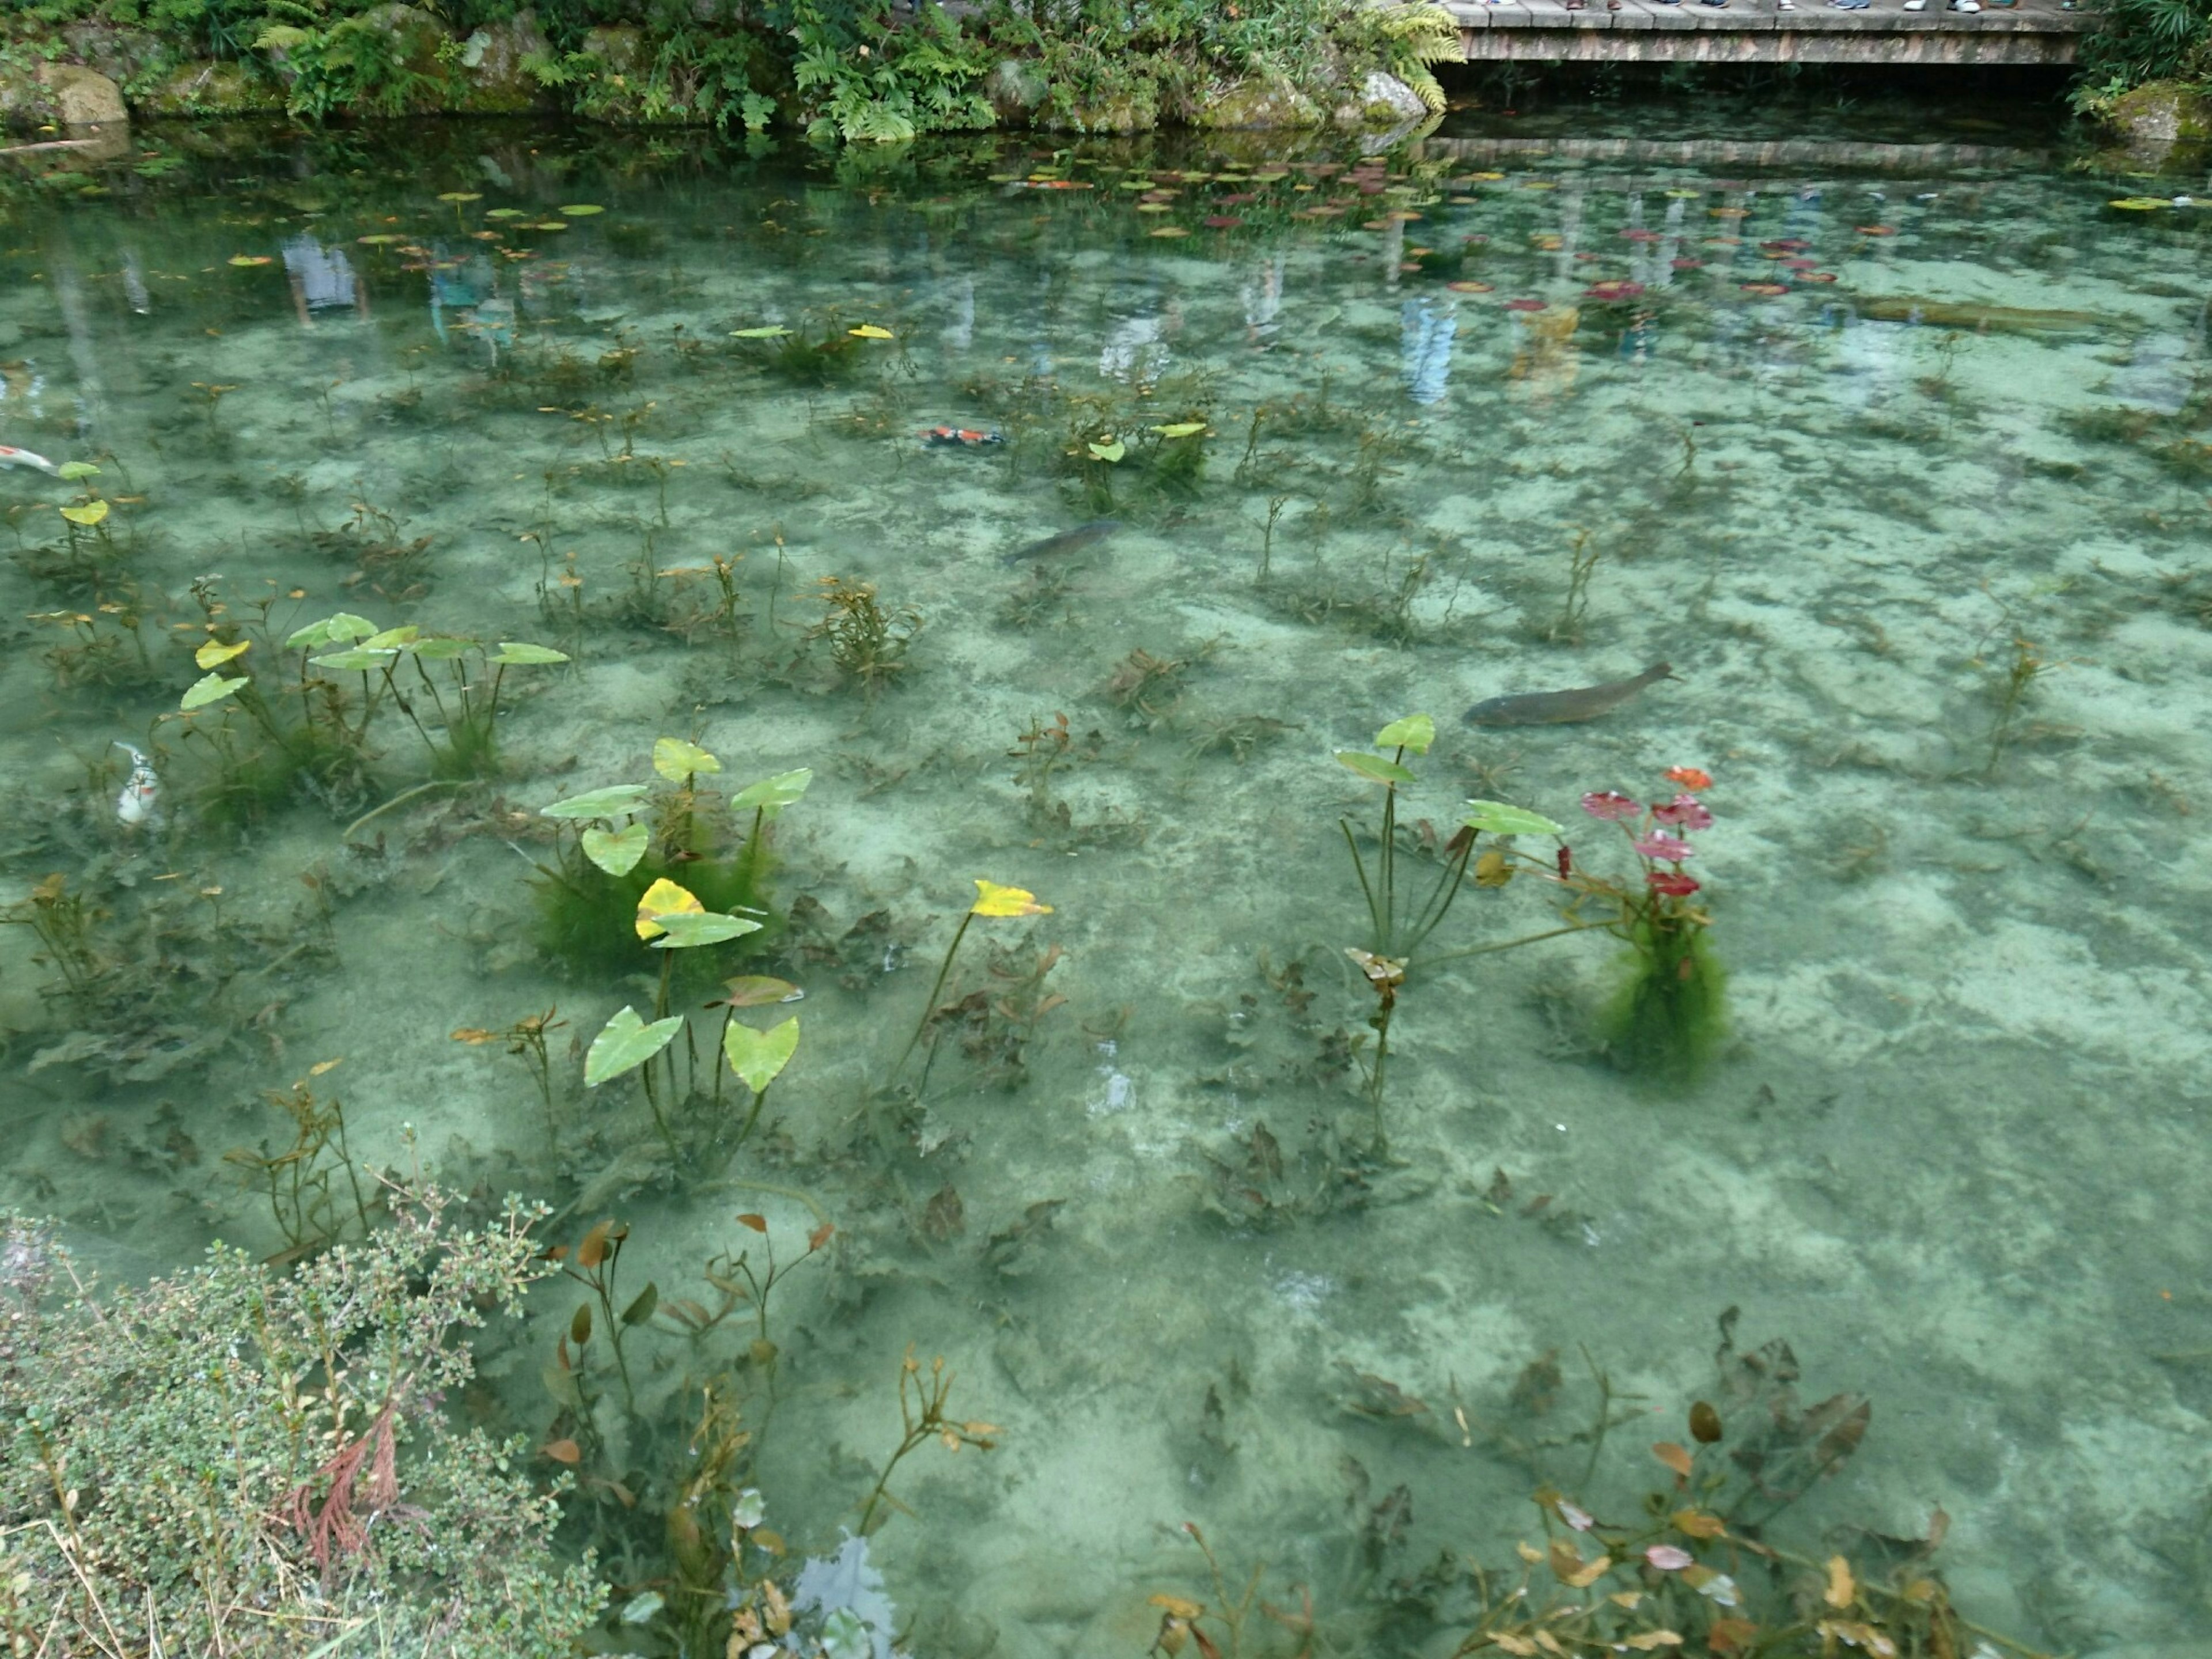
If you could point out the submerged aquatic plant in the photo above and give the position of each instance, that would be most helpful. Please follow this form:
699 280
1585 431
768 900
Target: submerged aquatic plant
991 899
868 643
1396 930
921 1414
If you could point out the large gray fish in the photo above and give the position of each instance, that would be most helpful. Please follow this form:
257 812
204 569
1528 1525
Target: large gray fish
1068 541
1563 707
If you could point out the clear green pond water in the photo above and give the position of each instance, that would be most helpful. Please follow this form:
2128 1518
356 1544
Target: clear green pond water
1844 439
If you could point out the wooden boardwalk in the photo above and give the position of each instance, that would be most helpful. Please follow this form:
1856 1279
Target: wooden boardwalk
1754 32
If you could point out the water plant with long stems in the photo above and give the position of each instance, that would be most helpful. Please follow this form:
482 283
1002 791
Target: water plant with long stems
921 1414
991 899
1393 930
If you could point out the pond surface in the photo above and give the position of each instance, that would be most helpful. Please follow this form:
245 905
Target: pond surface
1896 455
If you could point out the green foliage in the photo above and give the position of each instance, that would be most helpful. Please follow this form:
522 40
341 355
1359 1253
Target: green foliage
1669 1018
232 1460
2139 40
858 79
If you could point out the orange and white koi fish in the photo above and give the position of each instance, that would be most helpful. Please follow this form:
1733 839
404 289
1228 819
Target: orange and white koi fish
10 455
140 803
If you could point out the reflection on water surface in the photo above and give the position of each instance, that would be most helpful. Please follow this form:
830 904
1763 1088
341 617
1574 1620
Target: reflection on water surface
1898 464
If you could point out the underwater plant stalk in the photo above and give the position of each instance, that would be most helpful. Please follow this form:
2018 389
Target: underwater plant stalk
943 971
653 1099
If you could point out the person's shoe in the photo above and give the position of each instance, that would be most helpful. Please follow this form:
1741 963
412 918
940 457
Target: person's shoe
1916 5
1966 5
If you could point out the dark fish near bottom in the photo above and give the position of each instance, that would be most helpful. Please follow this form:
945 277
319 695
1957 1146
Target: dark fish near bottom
1068 541
1563 707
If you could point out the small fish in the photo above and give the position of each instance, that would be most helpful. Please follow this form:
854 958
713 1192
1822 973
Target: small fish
140 803
961 437
1563 708
10 455
1068 541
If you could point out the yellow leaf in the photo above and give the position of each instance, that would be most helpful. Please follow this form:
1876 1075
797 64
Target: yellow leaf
1651 1639
1590 1574
1693 1524
1176 1607
1841 1591
869 332
1859 1636
1550 1643
1490 870
1521 1646
1181 429
664 898
215 652
1672 1457
1626 1598
88 515
992 900
1531 1556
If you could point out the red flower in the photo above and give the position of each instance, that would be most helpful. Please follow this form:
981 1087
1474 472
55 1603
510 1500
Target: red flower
1673 882
1690 777
1684 810
1609 803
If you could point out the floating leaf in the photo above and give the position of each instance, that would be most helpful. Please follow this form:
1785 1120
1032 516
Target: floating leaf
209 688
757 991
758 1056
1495 818
582 210
360 657
2140 203
444 648
1181 429
992 900
1374 767
676 759
772 795
90 513
249 259
392 638
462 196
1112 450
74 471
618 851
382 240
331 630
684 931
521 651
507 213
773 332
1415 731
626 1042
215 652
664 899
598 803
548 224
869 332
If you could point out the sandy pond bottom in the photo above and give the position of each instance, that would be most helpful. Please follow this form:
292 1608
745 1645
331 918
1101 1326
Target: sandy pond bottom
1844 444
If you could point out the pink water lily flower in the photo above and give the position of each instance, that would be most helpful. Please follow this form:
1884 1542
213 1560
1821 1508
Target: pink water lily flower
1668 1558
1685 809
1673 882
1610 803
1661 845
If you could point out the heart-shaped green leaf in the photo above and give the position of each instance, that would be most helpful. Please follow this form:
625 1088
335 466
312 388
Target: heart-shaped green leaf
1495 818
71 472
360 657
393 638
337 630
626 1042
1374 767
676 759
1415 731
1112 450
521 651
684 929
209 688
772 795
442 650
90 513
757 1057
598 804
618 853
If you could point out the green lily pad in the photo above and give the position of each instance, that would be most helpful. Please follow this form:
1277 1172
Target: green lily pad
757 1057
683 930
461 195
393 638
1112 450
209 688
361 657
507 213
336 629
582 210
91 513
1495 818
521 651
441 650
772 795
774 332
72 471
1374 767
676 759
617 851
1415 731
598 804
626 1042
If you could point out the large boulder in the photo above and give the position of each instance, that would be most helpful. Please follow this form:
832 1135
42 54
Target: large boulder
491 64
1381 100
1015 89
415 43
208 88
82 97
1258 105
2159 113
1114 115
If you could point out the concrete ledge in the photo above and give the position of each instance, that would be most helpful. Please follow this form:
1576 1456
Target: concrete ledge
1754 32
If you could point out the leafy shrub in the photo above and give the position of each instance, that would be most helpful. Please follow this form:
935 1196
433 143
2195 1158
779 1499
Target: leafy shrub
236 1461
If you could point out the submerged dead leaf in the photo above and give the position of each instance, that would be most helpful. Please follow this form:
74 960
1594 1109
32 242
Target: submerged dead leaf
1673 1456
563 1451
1704 1423
1842 1591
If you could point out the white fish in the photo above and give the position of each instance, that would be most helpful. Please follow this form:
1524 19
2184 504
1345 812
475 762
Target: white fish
140 803
10 455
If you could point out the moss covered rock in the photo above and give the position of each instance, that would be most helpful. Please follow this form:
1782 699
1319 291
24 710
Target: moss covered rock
207 87
1258 105
82 97
492 65
1112 115
1016 90
1381 100
2161 112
